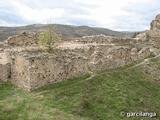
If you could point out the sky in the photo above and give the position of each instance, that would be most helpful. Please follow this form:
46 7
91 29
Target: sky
121 15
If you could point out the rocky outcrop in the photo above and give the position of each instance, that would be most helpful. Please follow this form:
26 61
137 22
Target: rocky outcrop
153 35
155 24
150 38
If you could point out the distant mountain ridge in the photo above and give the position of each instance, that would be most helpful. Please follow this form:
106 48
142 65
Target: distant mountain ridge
67 31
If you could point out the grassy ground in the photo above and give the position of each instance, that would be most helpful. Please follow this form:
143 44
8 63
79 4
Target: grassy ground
102 97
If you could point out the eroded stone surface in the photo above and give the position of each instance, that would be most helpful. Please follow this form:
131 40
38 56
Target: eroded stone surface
36 69
4 66
155 24
24 39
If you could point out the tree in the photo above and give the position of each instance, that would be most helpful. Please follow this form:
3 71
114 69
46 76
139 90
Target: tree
48 38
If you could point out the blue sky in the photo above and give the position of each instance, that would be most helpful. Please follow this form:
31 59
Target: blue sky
123 15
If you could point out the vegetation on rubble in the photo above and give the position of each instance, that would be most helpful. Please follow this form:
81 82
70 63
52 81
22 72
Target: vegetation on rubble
48 38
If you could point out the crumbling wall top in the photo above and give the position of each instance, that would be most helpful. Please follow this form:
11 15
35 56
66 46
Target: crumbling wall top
23 39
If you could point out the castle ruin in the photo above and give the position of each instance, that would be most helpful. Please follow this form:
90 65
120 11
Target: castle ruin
28 66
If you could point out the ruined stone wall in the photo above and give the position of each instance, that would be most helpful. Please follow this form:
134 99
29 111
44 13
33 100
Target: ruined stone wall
36 70
113 57
31 67
33 70
4 67
153 37
24 39
4 72
20 72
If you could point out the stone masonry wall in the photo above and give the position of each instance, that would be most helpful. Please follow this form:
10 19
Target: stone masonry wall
33 70
107 58
20 72
36 70
4 67
24 39
4 72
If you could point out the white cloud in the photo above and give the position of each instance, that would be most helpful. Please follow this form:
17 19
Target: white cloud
36 15
108 12
113 14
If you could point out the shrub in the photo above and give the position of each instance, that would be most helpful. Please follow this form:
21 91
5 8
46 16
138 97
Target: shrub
48 38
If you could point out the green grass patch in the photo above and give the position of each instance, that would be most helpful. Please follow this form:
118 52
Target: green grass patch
102 97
